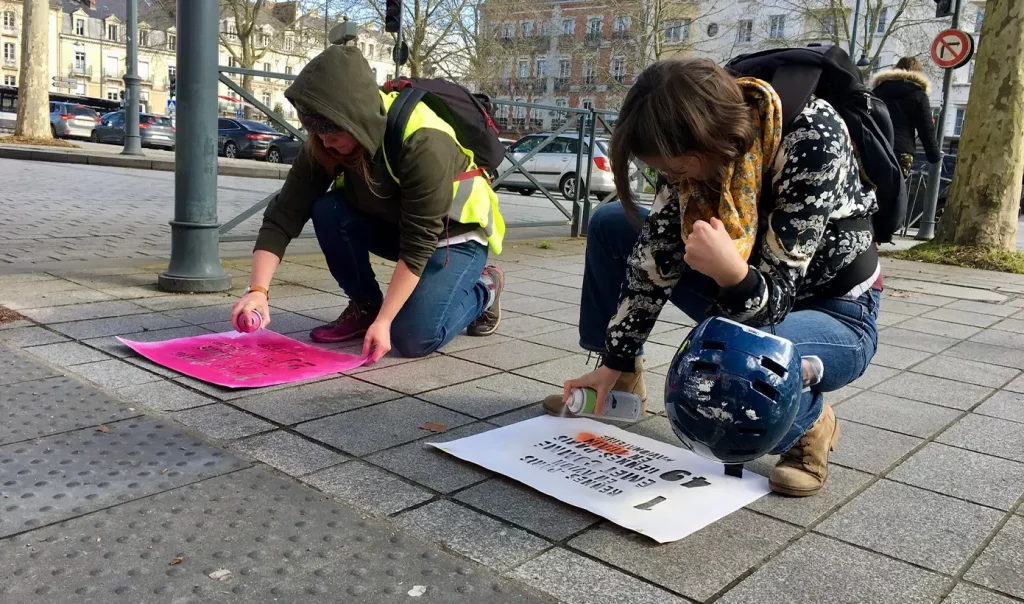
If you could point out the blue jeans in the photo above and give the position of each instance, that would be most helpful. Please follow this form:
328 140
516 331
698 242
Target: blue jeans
447 299
841 332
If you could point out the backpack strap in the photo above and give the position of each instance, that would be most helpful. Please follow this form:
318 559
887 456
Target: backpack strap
398 119
795 83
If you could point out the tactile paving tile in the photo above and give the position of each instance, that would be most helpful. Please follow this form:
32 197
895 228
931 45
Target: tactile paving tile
280 541
33 409
16 367
67 475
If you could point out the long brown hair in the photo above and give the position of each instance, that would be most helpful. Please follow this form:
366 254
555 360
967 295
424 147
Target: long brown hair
332 162
678 107
909 64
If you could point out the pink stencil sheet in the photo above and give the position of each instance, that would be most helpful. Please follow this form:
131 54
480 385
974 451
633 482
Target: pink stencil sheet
250 360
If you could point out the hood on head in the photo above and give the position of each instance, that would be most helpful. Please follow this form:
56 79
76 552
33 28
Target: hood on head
339 86
900 75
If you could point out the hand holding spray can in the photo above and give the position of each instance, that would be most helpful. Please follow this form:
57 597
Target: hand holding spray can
248 322
618 406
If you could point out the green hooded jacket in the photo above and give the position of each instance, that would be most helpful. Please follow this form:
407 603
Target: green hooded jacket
339 85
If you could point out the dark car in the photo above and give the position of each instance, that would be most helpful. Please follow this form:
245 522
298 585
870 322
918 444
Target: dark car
918 184
154 130
244 138
283 149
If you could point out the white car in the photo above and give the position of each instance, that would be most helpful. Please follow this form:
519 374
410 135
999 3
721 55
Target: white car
554 166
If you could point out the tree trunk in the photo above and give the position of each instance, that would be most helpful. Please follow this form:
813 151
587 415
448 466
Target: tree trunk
33 90
247 111
985 196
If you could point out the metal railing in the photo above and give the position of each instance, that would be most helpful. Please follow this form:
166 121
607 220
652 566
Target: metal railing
917 185
578 124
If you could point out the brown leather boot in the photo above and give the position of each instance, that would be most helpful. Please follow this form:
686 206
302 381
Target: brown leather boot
802 470
631 382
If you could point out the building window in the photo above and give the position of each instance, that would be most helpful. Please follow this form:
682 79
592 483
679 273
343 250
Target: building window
589 77
677 31
524 69
143 37
111 67
958 125
9 23
230 29
542 67
563 68
112 94
80 27
883 20
80 88
289 43
527 29
545 29
372 49
623 23
587 104
113 34
288 70
979 19
828 24
10 80
745 31
79 62
568 26
232 62
619 69
172 42
266 99
266 67
10 54
970 72
509 31
594 27
144 72
777 29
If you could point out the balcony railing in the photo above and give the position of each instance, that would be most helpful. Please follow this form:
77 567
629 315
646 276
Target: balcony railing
561 83
117 75
619 77
13 63
622 34
542 42
593 38
80 70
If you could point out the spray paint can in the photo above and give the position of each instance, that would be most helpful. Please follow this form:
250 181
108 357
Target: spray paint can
618 406
249 322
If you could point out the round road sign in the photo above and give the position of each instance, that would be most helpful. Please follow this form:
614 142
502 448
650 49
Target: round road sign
952 48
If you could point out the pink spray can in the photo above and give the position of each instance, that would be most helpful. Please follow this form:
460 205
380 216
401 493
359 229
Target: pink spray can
249 322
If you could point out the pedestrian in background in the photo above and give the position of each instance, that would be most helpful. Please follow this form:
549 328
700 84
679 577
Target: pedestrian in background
905 91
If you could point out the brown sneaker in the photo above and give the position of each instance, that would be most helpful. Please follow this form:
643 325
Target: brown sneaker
630 381
802 470
351 324
487 323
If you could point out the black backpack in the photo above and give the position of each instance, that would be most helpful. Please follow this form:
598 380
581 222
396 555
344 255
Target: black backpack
467 113
829 74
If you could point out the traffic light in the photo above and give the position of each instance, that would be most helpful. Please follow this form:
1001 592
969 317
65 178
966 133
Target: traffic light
172 84
943 8
393 16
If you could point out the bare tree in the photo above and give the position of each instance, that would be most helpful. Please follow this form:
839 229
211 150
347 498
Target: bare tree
986 191
33 90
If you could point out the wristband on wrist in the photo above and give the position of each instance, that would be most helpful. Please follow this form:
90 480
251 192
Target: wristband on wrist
260 289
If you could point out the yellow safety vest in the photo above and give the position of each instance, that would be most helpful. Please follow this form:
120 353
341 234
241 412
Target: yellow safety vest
473 199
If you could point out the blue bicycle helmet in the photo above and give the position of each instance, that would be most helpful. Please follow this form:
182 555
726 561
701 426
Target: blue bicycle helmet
732 391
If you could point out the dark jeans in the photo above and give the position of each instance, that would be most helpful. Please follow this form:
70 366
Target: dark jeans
447 299
841 332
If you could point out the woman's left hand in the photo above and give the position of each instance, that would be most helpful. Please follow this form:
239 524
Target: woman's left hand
711 251
378 340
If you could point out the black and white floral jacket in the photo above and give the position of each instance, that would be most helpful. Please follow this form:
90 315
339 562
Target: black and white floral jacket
816 182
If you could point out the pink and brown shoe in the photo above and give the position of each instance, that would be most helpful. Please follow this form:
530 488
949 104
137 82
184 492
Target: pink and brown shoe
351 324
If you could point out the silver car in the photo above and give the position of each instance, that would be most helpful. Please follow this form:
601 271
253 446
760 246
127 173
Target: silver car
71 120
554 166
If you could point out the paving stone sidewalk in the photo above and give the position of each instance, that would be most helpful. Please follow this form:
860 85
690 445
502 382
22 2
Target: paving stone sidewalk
923 504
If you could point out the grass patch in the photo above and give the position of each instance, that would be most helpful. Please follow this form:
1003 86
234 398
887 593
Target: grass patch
40 142
544 245
968 257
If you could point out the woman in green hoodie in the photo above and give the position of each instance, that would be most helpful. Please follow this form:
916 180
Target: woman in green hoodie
429 210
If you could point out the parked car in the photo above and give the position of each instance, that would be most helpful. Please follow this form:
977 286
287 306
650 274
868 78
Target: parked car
154 130
71 120
918 185
508 142
244 138
554 166
283 149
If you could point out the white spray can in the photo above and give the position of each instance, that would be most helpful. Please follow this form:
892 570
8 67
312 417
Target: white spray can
617 406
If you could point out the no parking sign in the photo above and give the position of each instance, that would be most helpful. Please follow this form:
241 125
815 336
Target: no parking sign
952 48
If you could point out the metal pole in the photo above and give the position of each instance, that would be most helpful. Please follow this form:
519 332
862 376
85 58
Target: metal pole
327 12
926 230
592 136
574 231
853 32
132 142
195 257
